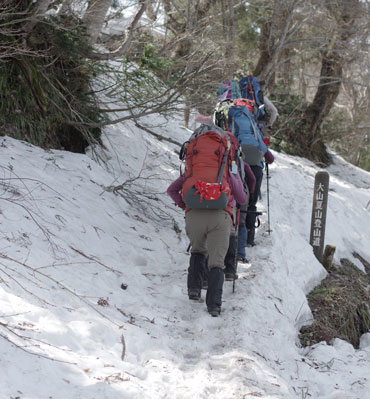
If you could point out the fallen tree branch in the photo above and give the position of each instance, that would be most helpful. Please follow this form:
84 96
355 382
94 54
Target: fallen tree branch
34 342
59 284
96 261
159 136
123 347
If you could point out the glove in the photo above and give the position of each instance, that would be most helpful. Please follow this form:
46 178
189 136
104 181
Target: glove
269 158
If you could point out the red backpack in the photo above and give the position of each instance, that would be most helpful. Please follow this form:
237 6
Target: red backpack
207 155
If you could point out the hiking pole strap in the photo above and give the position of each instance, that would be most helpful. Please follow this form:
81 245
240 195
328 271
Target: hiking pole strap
253 212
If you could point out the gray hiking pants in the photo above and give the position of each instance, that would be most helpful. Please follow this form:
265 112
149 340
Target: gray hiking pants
209 232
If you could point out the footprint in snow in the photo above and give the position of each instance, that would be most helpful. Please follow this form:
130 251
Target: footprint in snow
141 261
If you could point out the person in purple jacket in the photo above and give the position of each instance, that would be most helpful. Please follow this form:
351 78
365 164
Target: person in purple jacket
239 235
208 231
252 208
231 255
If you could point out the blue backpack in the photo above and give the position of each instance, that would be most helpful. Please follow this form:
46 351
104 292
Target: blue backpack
250 88
243 125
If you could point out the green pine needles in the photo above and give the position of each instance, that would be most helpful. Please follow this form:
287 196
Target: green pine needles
45 93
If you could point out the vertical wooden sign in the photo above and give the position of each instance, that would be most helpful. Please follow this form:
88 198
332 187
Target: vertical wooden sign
319 208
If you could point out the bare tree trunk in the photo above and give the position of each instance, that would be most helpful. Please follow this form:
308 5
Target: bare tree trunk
150 11
128 38
231 42
265 55
302 79
268 39
274 34
190 26
327 92
94 17
225 37
184 32
285 73
228 29
66 8
180 29
224 21
331 76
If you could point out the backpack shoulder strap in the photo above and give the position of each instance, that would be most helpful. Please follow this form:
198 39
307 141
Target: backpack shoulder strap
224 160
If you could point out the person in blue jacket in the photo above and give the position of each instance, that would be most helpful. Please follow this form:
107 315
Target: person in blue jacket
244 126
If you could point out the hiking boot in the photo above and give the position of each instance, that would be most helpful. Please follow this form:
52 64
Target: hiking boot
194 294
195 275
214 291
231 276
242 260
251 244
215 311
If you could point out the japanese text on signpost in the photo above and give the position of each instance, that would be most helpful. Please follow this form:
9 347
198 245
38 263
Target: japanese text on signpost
318 219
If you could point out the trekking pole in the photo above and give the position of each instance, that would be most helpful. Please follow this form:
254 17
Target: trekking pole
236 255
268 197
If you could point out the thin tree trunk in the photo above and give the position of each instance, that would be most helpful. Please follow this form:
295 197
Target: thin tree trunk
274 35
226 49
181 29
285 74
224 21
331 76
66 8
94 18
267 44
150 11
231 44
126 43
264 50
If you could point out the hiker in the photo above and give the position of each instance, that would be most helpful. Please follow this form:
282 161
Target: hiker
236 250
245 127
238 237
253 198
242 230
220 119
253 89
208 229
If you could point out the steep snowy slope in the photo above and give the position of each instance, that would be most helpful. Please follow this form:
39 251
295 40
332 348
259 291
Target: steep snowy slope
93 281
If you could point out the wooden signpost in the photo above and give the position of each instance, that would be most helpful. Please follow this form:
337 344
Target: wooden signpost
319 208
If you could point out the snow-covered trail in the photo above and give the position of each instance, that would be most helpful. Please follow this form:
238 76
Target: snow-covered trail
90 279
